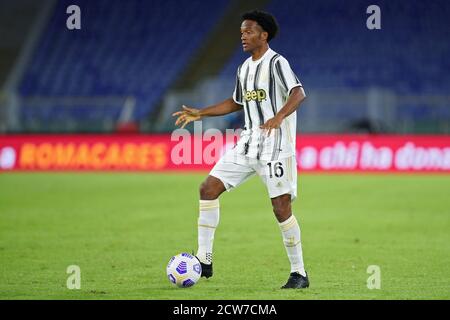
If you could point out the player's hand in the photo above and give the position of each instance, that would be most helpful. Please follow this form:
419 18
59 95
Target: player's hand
273 123
186 116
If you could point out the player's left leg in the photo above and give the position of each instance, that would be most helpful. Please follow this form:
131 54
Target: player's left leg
290 231
280 177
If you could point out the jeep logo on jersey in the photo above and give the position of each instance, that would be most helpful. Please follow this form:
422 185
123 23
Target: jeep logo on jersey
259 95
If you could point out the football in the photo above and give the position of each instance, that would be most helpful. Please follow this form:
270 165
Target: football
184 270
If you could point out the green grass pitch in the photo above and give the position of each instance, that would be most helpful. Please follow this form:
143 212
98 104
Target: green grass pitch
122 228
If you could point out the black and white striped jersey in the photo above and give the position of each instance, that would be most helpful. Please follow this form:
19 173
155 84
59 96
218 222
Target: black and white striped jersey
262 88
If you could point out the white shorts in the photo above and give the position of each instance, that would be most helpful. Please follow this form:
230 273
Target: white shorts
279 176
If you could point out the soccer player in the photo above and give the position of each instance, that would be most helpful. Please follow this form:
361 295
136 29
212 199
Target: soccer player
269 92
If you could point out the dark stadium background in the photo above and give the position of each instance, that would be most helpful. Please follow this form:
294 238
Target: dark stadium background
134 62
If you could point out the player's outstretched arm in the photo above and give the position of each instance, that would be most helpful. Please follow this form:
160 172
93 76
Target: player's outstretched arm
188 114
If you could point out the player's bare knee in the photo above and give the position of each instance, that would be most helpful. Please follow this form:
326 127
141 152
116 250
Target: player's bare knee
281 209
203 190
281 213
207 191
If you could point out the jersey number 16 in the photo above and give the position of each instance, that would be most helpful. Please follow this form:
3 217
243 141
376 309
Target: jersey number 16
276 170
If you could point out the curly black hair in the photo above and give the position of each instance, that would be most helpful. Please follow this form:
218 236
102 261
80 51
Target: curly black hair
265 20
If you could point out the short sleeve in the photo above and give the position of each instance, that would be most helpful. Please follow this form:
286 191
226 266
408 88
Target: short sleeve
285 77
237 93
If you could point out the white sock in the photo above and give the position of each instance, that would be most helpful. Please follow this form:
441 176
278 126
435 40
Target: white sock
291 238
207 223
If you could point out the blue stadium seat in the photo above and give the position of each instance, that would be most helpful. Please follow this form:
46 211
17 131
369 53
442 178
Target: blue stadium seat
328 44
129 48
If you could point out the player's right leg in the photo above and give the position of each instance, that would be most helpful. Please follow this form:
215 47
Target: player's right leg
208 219
231 170
211 188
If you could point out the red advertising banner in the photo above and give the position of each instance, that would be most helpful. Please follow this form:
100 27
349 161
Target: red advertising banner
374 153
315 153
